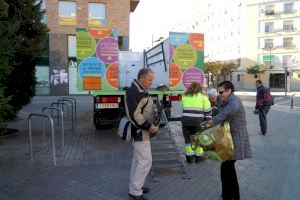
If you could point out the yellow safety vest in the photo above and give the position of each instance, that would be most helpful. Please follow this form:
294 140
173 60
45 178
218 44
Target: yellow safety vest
196 106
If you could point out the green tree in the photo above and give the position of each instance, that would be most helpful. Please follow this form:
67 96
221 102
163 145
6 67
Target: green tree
7 32
214 68
228 68
257 70
24 17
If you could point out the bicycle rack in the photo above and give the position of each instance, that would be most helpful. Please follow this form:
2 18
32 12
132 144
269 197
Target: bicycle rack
63 104
75 105
52 134
62 122
72 105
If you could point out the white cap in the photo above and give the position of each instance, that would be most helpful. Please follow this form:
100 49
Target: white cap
212 92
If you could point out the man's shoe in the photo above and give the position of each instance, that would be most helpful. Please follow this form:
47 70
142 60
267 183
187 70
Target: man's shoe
145 190
141 197
260 133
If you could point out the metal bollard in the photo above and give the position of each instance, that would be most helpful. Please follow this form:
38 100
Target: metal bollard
62 105
75 105
72 111
52 134
292 102
62 122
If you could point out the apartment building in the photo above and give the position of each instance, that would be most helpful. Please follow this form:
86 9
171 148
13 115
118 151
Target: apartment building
222 23
56 75
250 32
272 39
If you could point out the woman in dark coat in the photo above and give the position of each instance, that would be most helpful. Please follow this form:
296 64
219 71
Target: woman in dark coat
232 110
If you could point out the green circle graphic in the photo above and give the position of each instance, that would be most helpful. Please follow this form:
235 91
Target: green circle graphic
185 56
85 45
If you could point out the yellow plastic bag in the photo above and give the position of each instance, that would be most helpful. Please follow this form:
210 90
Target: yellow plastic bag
216 142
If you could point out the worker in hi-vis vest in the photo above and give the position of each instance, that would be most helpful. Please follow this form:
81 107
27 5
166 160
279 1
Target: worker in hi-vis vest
196 108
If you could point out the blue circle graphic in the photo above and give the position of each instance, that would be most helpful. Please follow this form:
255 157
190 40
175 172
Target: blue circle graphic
91 67
178 38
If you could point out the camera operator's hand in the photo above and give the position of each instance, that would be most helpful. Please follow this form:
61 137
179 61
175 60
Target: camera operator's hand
153 129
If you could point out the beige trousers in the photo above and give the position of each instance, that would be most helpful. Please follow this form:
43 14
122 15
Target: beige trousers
140 167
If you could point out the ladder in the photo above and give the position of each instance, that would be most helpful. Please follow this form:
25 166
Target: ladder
165 151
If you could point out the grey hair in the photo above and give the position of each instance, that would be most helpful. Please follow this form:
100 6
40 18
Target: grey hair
144 71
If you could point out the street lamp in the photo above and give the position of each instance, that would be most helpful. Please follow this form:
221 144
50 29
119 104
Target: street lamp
159 39
285 79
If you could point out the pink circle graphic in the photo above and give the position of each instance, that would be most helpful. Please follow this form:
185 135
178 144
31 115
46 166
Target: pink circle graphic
192 74
107 50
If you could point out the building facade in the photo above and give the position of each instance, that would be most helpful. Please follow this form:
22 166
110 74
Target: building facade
222 23
273 39
57 75
250 32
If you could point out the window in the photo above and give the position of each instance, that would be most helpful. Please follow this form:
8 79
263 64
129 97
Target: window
96 11
67 9
288 7
269 26
268 43
277 80
238 78
287 60
43 7
270 10
288 42
288 25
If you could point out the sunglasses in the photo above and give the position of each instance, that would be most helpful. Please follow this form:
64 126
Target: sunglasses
221 92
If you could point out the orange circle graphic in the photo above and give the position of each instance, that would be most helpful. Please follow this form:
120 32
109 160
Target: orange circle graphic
99 32
197 41
175 75
112 76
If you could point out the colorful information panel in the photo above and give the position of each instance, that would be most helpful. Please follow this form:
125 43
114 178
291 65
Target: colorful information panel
97 56
186 52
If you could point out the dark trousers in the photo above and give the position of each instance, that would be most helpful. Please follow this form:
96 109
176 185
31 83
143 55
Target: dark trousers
230 185
263 118
188 131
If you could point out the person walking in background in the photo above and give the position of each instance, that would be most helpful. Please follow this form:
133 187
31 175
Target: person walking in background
232 110
142 112
196 109
264 100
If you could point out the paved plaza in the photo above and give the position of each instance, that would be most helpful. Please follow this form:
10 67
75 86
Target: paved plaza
95 165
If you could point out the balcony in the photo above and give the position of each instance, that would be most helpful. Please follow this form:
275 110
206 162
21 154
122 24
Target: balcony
277 31
289 11
133 4
269 12
273 12
278 47
289 28
289 46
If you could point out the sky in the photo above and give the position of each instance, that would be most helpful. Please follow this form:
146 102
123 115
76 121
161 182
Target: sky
158 17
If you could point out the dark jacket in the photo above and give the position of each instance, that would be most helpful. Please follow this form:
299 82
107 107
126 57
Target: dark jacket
233 111
263 97
141 110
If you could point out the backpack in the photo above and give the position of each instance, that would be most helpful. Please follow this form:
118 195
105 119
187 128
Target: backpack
268 98
124 129
126 124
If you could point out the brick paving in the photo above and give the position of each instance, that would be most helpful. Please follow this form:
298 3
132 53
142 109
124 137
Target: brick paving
95 164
